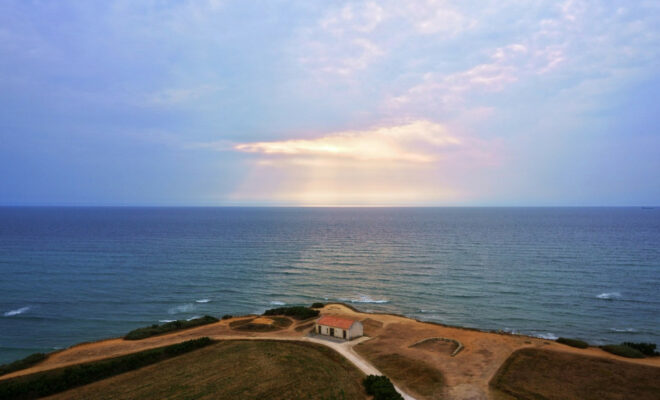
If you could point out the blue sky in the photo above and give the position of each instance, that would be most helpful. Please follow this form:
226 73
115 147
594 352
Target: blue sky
329 103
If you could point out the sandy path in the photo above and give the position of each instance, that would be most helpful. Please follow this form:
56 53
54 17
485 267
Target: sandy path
346 350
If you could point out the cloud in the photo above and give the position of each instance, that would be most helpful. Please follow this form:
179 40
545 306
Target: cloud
415 142
418 162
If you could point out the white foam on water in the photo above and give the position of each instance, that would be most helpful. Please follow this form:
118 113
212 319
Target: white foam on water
202 301
427 311
181 309
19 311
609 296
193 317
365 299
623 329
166 320
547 336
277 303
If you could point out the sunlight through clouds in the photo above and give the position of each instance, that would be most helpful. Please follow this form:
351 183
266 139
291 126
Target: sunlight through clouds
413 142
419 161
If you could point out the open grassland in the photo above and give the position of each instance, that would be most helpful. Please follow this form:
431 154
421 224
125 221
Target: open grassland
237 370
414 376
543 374
261 324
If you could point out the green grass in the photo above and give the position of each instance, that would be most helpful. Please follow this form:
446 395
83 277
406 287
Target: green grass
622 350
580 344
154 330
49 382
298 312
236 370
23 363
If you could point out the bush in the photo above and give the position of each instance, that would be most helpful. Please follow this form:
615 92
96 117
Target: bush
227 316
23 363
381 388
622 350
58 380
155 330
318 305
580 344
647 349
295 312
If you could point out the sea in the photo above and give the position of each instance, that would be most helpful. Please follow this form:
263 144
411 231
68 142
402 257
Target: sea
70 275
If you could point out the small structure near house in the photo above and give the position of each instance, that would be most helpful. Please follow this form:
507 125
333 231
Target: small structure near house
338 327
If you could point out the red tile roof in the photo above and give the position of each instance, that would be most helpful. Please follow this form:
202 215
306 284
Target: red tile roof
335 322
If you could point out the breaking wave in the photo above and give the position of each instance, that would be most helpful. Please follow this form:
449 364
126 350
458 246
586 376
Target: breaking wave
365 299
19 311
202 301
547 336
181 309
609 296
623 329
277 303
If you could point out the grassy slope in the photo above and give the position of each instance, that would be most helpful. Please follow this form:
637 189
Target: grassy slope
412 375
543 374
237 370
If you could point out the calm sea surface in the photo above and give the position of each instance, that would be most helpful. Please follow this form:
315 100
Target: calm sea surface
77 274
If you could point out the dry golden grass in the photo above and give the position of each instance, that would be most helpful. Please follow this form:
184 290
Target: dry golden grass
437 346
412 375
247 369
544 374
261 324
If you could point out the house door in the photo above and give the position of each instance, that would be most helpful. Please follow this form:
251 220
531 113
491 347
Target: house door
344 334
332 331
319 329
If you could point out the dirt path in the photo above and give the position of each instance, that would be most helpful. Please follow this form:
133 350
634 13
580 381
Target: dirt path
346 350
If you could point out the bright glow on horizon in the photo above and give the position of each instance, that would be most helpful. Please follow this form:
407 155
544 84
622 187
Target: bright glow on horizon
361 102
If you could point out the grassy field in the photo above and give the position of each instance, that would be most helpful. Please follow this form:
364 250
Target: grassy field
412 375
261 324
543 374
237 370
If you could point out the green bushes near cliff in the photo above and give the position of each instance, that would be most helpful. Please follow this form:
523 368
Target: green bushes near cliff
23 363
295 312
381 388
580 344
154 330
648 349
622 350
58 380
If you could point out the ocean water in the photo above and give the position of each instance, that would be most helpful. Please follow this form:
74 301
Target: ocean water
78 274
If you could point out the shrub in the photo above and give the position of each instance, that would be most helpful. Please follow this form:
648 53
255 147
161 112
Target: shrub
58 380
227 316
295 312
622 350
23 363
318 305
167 327
580 344
647 349
381 388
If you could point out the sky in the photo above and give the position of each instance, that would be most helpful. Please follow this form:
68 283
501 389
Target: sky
330 103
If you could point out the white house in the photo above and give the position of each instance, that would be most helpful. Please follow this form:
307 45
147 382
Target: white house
338 327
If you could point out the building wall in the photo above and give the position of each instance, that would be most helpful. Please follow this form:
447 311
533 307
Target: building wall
354 332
